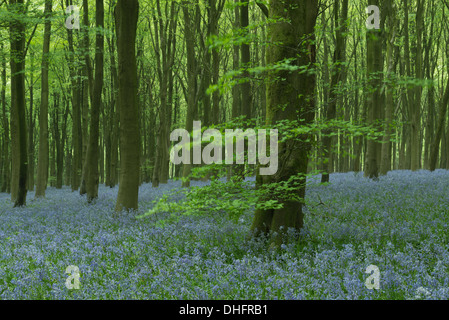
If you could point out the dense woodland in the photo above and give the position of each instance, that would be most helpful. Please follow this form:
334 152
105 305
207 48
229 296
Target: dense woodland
96 104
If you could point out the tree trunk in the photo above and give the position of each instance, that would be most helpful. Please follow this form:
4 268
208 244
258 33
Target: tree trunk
91 164
126 16
336 80
191 80
6 178
374 68
30 180
435 147
416 106
42 163
385 164
87 91
294 91
18 117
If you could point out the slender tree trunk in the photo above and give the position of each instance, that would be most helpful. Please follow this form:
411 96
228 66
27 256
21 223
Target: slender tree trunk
42 163
435 147
115 118
415 136
385 164
6 178
87 91
77 141
336 80
91 174
191 81
30 181
374 67
236 89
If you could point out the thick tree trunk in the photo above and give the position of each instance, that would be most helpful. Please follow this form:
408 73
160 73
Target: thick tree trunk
294 91
18 116
126 16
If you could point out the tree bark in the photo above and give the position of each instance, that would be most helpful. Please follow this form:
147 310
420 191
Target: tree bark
42 163
374 68
336 79
91 163
385 164
126 16
294 91
18 116
192 72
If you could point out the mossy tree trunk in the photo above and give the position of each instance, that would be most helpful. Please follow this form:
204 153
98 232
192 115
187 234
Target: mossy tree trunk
290 96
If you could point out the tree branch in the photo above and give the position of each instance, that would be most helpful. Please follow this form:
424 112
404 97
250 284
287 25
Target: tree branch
29 40
263 8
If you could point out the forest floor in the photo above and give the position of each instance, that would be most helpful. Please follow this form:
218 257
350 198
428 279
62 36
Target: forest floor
399 224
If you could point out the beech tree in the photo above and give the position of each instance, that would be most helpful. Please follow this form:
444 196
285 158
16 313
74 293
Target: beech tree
126 15
290 96
91 174
18 107
42 163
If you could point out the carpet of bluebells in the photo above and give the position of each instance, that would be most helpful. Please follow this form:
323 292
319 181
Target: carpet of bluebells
398 223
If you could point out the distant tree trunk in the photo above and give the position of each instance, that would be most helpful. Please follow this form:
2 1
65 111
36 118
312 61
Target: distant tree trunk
336 80
428 39
435 147
245 63
115 116
164 46
59 142
126 16
191 80
236 89
6 178
217 9
374 68
91 175
385 164
31 121
87 91
415 136
294 91
356 141
77 141
18 117
42 163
